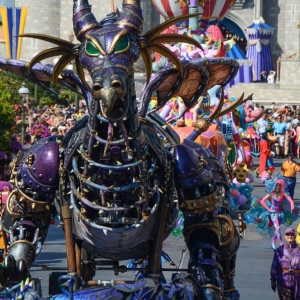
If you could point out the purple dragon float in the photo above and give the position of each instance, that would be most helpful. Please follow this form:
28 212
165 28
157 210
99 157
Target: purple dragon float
114 177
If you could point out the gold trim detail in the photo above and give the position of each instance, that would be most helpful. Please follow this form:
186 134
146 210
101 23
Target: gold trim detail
227 230
133 13
95 43
131 2
115 41
229 274
124 23
211 286
200 206
121 66
229 291
87 27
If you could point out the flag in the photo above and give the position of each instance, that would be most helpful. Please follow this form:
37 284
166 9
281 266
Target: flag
13 45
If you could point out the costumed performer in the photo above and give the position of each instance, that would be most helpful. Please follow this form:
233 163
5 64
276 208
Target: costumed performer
285 269
265 158
274 209
265 153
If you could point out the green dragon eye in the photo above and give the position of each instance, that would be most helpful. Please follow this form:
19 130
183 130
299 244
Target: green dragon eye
90 49
123 45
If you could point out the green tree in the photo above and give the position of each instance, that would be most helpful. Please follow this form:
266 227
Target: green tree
7 114
14 82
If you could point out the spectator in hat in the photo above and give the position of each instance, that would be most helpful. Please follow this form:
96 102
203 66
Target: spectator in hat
289 171
285 269
70 123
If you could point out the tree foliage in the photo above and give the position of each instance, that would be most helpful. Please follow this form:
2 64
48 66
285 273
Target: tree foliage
14 83
7 114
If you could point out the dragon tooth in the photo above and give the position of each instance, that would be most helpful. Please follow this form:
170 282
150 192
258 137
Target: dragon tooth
105 231
31 284
27 281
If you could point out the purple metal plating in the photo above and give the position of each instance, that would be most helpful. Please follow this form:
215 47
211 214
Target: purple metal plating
188 169
42 175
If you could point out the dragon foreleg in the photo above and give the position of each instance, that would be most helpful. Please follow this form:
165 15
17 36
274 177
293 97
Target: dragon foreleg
210 237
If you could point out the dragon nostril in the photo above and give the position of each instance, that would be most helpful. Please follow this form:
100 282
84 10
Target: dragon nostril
97 87
116 84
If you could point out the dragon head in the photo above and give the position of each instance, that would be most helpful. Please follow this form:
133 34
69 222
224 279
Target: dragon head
108 51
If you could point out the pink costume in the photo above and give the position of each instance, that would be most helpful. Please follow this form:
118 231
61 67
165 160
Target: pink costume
276 209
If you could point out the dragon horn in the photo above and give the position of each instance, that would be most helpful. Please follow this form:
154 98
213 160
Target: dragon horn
130 16
234 105
216 112
83 19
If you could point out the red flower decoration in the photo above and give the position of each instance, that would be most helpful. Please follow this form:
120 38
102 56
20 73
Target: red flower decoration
271 169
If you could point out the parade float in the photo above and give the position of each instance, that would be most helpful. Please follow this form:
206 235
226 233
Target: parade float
119 177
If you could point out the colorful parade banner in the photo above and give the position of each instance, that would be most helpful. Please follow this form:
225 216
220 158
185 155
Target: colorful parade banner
13 44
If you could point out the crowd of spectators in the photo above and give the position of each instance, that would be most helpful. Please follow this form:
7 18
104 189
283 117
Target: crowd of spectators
54 119
282 124
39 122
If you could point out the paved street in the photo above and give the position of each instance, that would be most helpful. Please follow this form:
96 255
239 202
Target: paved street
253 259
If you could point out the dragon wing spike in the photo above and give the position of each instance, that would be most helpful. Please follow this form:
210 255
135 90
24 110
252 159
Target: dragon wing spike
47 38
63 61
48 53
152 33
216 113
234 105
80 73
248 98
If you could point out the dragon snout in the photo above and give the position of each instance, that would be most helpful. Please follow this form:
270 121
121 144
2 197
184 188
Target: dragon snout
112 101
108 98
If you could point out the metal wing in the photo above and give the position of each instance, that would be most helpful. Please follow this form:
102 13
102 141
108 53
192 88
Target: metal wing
199 76
42 74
